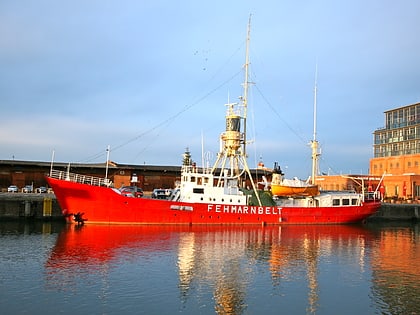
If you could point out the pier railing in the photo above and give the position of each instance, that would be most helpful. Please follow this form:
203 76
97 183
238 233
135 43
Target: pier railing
80 178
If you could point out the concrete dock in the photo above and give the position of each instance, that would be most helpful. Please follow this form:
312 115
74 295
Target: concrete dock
29 206
45 207
397 212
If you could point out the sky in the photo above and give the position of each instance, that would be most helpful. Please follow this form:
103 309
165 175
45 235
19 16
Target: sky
151 78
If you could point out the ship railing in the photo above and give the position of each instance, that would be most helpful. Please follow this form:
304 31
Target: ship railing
80 178
195 169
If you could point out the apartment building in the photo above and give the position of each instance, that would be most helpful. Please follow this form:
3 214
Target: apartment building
397 153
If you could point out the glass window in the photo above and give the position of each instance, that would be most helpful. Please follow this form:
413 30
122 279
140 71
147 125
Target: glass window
336 202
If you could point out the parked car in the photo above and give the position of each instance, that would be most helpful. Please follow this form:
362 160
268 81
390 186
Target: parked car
132 191
12 189
28 189
159 194
42 190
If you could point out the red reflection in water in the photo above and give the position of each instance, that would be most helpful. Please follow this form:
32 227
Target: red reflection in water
100 243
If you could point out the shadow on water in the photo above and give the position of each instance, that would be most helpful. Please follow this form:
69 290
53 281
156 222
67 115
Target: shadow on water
25 226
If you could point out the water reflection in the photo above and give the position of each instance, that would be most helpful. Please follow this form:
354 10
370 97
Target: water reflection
231 263
396 276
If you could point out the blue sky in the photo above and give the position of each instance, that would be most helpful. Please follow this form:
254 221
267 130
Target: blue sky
150 78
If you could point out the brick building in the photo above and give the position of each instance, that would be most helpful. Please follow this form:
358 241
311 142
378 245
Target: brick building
148 177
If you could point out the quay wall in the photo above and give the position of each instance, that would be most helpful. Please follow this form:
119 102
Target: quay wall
45 206
29 206
397 212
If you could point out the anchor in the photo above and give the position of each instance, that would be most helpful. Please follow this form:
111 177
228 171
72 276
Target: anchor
78 217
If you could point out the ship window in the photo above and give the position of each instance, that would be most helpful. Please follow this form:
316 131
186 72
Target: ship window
346 202
206 180
336 202
198 190
354 202
192 179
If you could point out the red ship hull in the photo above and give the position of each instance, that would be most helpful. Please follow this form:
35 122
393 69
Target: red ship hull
97 204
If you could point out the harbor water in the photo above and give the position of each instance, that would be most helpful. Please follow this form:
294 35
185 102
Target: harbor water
53 268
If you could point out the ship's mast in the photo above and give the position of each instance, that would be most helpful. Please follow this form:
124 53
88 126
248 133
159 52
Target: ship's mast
231 160
314 142
246 83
